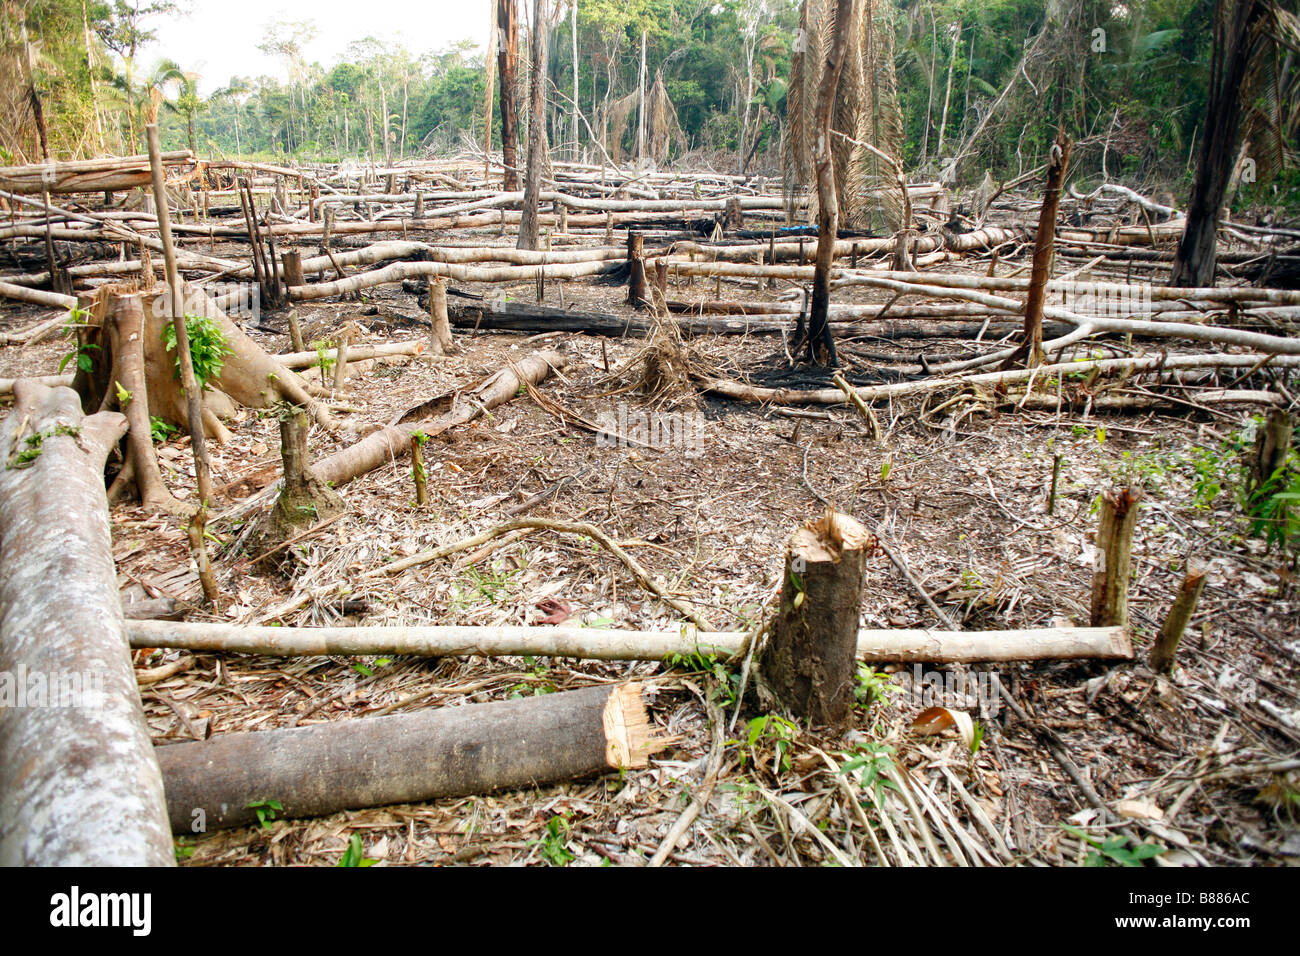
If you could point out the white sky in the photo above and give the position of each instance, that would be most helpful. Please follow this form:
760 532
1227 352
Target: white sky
219 38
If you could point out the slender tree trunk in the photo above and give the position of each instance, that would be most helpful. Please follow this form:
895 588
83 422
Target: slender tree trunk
640 120
929 99
38 112
1031 347
94 84
383 105
489 75
947 92
573 22
508 68
528 238
1195 260
821 347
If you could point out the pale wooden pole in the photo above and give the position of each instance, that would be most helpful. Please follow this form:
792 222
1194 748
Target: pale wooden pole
193 400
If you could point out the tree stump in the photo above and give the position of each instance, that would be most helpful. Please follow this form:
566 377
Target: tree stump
440 340
1272 442
292 262
810 662
636 270
305 499
733 215
1171 632
1114 558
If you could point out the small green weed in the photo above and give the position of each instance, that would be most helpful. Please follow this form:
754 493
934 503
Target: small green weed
1115 850
553 845
208 347
266 811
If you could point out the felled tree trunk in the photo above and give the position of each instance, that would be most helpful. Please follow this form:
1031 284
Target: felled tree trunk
79 784
810 660
391 442
442 752
249 376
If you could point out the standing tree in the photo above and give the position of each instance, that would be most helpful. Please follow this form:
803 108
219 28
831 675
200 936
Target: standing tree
821 347
860 130
508 71
1247 35
536 130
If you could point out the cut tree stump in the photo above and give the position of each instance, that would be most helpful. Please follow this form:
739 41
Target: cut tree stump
1171 632
304 499
636 295
440 341
249 376
1119 508
79 784
407 758
810 661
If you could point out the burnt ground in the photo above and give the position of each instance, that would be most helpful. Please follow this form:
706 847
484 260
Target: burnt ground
1213 748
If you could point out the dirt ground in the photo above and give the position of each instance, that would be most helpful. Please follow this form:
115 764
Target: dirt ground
966 509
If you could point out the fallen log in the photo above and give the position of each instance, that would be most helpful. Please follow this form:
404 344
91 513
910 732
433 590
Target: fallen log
393 442
525 317
89 175
591 643
54 300
356 353
79 784
398 250
992 380
399 271
406 758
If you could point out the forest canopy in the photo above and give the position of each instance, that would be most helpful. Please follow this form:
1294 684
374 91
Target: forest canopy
1126 80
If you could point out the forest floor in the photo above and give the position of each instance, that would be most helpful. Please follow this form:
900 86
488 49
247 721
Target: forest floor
1197 763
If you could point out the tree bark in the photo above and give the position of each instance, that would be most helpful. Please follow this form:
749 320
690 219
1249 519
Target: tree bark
407 758
528 235
124 323
1119 510
636 270
606 644
810 660
440 340
508 70
820 345
1234 23
1171 632
79 784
